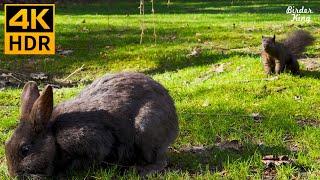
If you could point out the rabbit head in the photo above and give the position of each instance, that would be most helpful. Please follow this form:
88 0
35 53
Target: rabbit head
31 149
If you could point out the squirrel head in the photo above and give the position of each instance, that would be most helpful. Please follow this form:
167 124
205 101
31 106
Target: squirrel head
268 43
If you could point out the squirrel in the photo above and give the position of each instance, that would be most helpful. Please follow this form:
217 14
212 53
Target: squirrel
279 56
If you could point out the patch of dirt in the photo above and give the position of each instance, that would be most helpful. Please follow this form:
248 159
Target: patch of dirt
195 149
311 64
269 173
230 145
308 122
188 156
191 158
201 149
11 79
271 162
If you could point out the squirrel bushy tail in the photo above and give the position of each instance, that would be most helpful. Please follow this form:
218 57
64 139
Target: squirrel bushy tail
298 41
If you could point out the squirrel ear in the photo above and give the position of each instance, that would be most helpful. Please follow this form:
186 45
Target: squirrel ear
274 37
262 36
42 109
30 94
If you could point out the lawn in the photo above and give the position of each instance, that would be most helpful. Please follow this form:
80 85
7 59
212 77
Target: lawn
206 53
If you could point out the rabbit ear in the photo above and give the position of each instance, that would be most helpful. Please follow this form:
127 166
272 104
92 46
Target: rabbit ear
29 95
42 109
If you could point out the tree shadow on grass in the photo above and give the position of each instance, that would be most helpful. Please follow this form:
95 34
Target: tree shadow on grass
310 74
100 47
181 7
214 159
180 60
86 48
206 123
194 160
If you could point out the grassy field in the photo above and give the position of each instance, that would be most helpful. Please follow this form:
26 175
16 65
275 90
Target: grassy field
222 95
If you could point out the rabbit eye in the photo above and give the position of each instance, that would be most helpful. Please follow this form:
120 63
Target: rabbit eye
25 150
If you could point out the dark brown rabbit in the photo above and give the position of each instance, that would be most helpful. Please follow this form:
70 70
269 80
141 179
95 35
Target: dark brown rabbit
126 118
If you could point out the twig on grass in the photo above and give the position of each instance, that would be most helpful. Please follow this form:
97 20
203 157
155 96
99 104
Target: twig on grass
259 79
141 7
168 3
142 31
237 81
74 72
232 115
154 24
11 75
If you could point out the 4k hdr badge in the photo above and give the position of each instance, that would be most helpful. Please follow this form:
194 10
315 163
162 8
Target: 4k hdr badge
29 29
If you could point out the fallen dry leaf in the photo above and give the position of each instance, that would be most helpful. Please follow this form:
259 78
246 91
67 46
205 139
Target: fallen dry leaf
219 68
206 103
64 52
215 69
256 116
38 76
198 34
297 98
85 29
173 37
195 52
250 29
223 173
272 78
109 47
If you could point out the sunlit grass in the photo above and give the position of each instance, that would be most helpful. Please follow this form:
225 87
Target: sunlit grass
106 39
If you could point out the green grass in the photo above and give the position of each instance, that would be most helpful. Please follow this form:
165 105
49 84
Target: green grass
217 108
